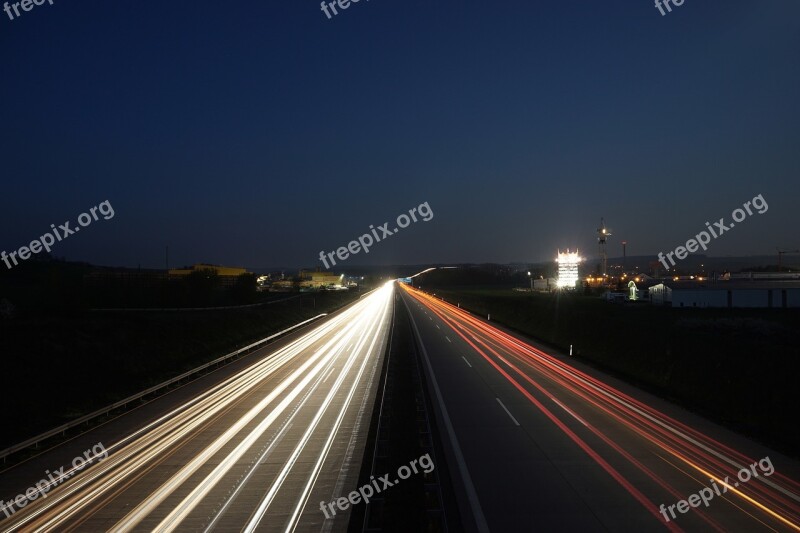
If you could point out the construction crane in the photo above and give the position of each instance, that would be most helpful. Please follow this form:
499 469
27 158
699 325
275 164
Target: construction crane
780 255
602 234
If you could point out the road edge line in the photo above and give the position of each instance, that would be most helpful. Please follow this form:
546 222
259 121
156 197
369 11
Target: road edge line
472 495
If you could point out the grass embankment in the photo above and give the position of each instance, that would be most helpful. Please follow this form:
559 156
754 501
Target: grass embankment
59 367
736 366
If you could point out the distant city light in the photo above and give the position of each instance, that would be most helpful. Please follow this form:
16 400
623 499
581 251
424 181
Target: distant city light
568 268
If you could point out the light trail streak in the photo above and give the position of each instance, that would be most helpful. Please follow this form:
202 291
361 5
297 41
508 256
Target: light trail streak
775 496
342 347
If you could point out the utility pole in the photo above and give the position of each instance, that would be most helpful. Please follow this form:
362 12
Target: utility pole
624 256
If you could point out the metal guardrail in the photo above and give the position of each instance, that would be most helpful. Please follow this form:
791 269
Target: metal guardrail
34 441
185 309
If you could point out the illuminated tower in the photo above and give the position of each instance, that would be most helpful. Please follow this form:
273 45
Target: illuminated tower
568 269
602 234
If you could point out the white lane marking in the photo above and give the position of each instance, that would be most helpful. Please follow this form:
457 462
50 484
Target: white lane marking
507 411
613 397
347 462
161 434
437 326
472 495
382 323
179 513
564 407
252 471
465 360
448 338
258 515
503 360
328 374
558 364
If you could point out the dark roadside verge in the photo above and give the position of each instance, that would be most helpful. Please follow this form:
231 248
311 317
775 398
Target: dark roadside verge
60 366
403 430
735 366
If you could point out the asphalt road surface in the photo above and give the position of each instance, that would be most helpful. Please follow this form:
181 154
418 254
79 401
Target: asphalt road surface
259 450
539 443
534 442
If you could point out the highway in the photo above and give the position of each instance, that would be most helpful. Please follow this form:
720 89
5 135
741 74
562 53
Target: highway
537 444
533 441
257 451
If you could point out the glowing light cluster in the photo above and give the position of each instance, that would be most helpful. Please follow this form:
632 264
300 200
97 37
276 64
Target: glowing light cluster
568 268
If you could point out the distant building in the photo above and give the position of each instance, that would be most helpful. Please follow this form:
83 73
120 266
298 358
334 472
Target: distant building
310 281
615 296
660 294
772 276
568 268
263 283
319 280
545 285
730 294
227 275
283 285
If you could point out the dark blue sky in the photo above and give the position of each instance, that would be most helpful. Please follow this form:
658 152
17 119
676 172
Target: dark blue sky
259 133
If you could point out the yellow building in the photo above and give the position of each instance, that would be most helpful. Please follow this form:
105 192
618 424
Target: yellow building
316 280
